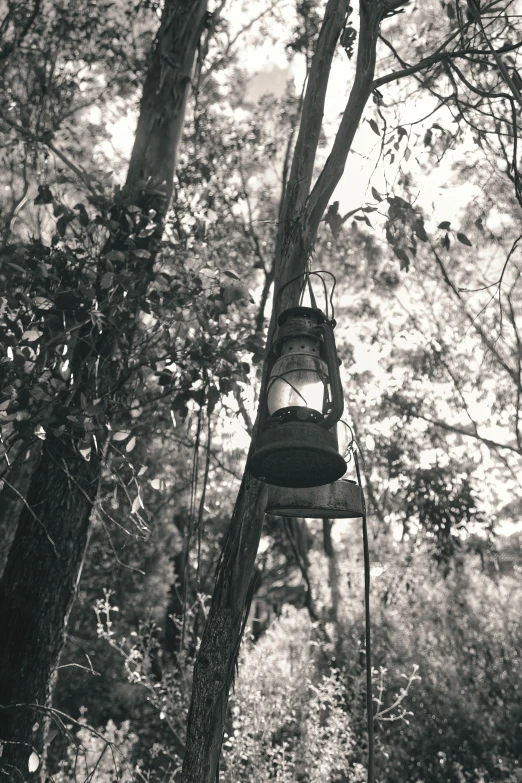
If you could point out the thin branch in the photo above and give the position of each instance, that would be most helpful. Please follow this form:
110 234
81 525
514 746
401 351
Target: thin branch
473 319
458 430
433 59
46 139
10 47
244 413
312 118
500 63
371 14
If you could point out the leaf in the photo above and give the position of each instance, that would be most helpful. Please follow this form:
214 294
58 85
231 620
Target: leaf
234 290
445 242
44 197
85 451
39 432
463 238
42 303
377 196
130 445
61 225
375 128
106 280
136 505
141 253
147 232
445 225
31 335
212 399
116 255
403 258
157 483
420 231
120 435
34 762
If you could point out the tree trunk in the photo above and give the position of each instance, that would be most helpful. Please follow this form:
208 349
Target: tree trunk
301 214
16 482
162 108
36 592
45 559
176 602
333 573
214 669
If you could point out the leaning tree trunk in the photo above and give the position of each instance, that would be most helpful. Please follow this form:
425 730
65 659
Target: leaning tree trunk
15 480
45 559
302 211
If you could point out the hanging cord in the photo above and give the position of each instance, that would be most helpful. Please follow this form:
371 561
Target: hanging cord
369 690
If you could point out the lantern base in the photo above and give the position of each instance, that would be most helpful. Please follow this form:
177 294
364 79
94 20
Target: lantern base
297 454
339 500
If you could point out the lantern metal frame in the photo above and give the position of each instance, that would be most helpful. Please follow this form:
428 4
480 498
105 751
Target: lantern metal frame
297 446
339 500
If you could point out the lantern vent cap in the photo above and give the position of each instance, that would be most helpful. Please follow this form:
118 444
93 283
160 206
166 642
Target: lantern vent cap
313 313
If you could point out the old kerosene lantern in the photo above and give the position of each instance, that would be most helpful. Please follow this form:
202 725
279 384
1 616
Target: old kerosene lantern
297 442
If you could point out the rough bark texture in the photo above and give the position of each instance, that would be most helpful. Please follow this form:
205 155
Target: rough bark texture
36 592
214 669
162 107
16 482
301 213
45 559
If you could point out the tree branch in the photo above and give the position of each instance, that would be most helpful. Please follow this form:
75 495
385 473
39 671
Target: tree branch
502 68
311 123
10 47
371 14
46 139
492 444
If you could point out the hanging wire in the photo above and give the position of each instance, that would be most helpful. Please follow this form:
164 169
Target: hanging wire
320 272
369 690
307 284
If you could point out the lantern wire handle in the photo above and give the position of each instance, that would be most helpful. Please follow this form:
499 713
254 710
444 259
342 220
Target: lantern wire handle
320 272
369 690
307 283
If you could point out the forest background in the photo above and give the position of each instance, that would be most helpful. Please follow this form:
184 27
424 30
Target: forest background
151 422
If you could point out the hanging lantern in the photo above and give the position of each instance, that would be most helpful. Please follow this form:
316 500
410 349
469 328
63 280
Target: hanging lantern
339 500
297 445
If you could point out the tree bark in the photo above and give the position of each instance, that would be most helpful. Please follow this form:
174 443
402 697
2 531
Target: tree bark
44 563
16 482
301 213
162 108
36 592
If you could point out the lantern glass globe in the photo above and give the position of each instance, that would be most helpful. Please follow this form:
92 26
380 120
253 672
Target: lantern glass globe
297 380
